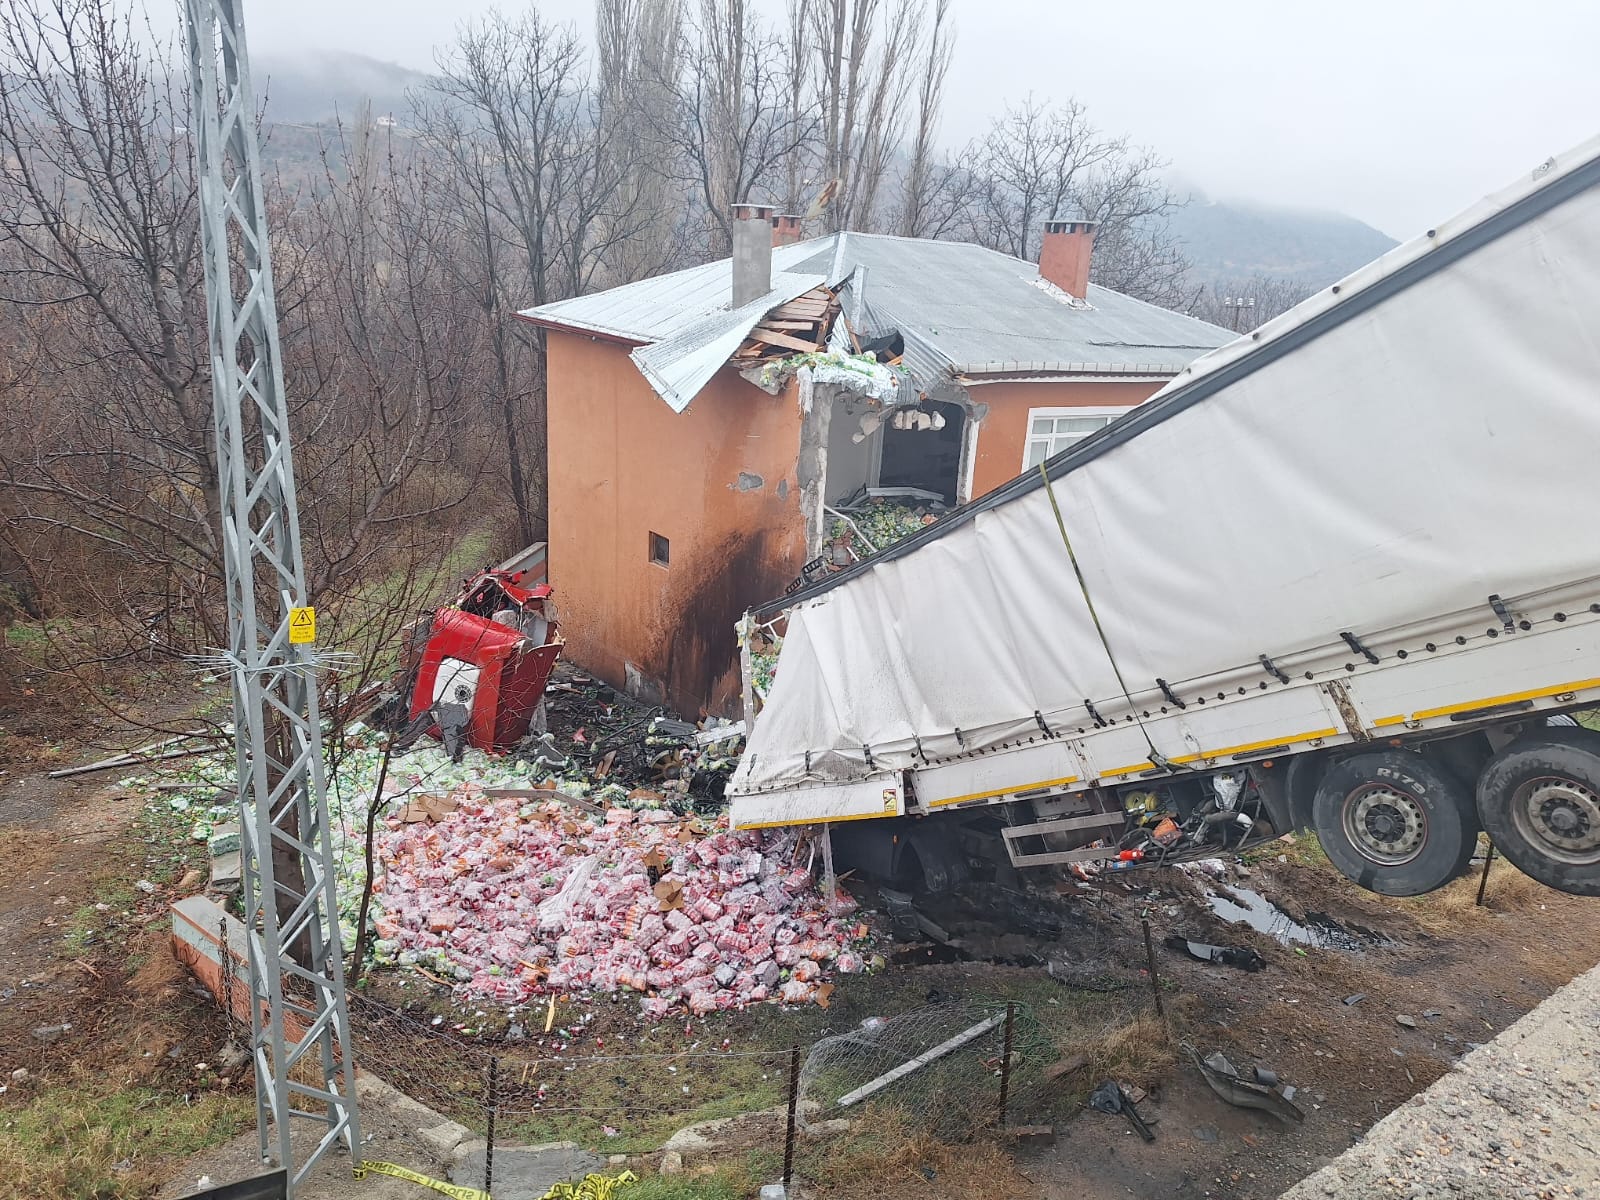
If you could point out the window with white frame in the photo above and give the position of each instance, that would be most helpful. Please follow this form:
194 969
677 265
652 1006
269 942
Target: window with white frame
1052 430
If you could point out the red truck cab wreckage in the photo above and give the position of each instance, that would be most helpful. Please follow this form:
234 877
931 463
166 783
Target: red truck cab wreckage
489 653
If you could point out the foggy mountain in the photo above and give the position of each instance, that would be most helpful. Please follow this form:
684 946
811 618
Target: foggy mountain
319 84
1234 239
1225 240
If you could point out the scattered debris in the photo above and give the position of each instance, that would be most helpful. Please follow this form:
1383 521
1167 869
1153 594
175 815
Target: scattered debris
1355 999
1223 1079
1242 957
1032 1135
1065 1066
186 745
1405 1022
510 901
1110 1099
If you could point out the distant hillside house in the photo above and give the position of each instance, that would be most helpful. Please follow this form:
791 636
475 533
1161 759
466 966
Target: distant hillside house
709 430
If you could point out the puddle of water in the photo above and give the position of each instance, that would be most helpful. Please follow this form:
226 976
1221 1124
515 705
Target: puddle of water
1239 905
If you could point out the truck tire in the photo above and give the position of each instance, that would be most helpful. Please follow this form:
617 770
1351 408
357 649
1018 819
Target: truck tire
1539 800
1394 823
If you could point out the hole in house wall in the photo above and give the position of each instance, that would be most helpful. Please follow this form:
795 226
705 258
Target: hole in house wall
660 550
921 456
852 465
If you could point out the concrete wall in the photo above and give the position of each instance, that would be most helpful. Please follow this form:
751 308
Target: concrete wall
1004 431
717 480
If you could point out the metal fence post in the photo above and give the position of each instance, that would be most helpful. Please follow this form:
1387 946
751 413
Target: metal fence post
225 955
494 1104
1155 980
1005 1063
794 1105
1484 882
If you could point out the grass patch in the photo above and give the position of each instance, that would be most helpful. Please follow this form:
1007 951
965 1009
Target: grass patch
1304 850
1456 904
728 1181
94 1140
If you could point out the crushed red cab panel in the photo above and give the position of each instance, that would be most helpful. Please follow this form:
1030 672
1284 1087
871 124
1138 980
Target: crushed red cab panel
491 651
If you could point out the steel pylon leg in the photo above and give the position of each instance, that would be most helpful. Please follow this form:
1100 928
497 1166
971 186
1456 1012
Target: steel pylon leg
300 1027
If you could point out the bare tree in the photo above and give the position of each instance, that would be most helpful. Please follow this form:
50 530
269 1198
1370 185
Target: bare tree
867 53
640 46
1040 162
542 172
923 179
110 474
99 231
739 126
798 60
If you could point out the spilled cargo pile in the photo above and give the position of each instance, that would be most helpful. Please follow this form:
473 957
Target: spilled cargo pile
509 899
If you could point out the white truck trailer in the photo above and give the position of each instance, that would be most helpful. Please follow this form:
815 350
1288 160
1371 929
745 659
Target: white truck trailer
1341 572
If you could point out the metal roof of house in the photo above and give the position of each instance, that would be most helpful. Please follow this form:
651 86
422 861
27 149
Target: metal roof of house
966 312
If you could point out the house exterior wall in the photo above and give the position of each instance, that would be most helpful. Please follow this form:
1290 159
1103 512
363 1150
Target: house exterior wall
717 481
1003 433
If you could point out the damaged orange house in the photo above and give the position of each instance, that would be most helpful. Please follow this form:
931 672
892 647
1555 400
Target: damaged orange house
706 426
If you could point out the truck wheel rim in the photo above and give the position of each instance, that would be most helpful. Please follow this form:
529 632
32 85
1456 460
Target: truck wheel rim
1561 817
1385 825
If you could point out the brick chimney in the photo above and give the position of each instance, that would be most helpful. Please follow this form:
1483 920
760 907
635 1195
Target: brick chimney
786 229
752 252
1065 253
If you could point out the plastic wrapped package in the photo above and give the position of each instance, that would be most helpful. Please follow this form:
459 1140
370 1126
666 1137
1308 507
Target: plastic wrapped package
797 991
529 900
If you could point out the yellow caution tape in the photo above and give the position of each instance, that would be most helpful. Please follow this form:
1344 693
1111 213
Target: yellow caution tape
591 1187
449 1189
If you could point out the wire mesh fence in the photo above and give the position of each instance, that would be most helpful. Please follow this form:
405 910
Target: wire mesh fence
956 1069
555 1087
950 1071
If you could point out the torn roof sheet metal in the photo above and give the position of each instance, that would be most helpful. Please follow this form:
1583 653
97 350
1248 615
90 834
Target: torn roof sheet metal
654 309
677 367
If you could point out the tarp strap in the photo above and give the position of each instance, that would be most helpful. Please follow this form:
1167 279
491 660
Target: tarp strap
449 1189
1156 756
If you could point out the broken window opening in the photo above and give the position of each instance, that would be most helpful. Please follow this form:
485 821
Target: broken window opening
922 449
660 550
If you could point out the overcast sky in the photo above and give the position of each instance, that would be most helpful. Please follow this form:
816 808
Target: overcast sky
1399 112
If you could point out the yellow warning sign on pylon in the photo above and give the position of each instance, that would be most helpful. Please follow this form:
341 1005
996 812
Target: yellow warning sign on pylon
302 626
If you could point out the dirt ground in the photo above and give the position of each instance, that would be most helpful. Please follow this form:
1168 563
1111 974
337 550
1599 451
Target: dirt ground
1460 973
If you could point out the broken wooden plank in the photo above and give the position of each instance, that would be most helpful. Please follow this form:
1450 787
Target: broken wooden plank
803 306
769 323
922 1060
774 337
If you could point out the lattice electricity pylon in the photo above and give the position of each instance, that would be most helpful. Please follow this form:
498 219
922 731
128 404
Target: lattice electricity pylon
290 901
